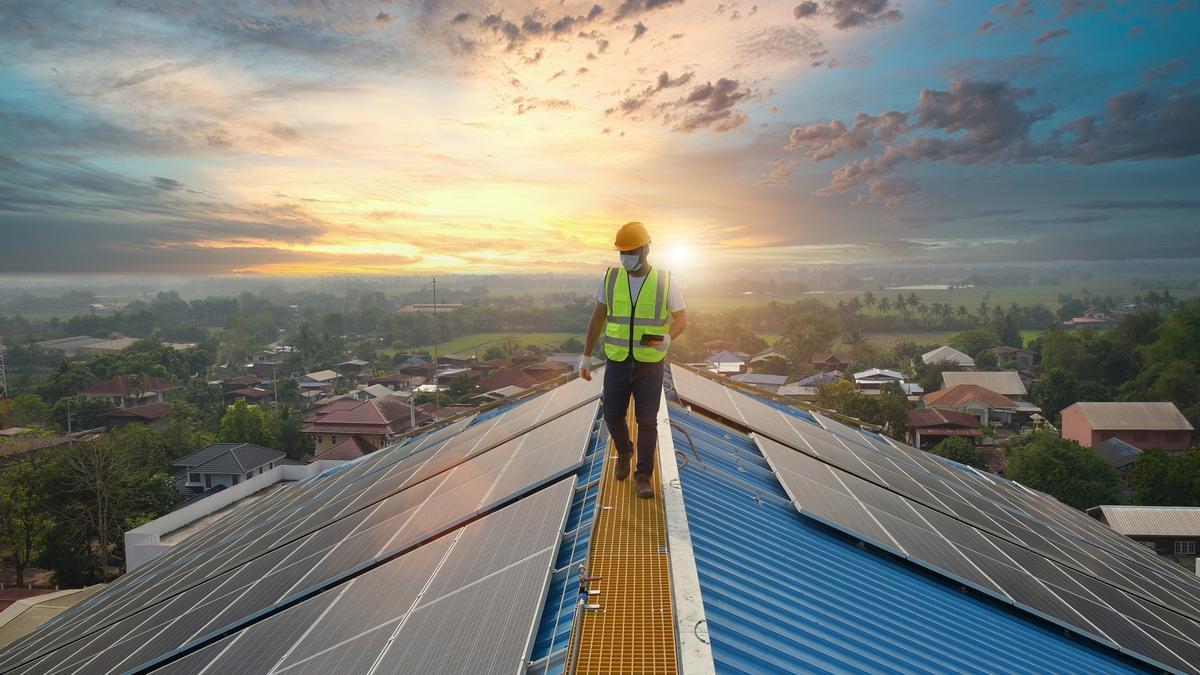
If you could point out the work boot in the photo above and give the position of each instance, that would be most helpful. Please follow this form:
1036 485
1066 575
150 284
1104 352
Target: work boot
644 489
623 465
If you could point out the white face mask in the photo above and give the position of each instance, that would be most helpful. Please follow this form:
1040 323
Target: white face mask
631 261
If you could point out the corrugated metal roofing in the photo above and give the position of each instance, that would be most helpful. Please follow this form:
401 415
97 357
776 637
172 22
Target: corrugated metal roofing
1134 415
1153 521
950 354
1005 382
785 594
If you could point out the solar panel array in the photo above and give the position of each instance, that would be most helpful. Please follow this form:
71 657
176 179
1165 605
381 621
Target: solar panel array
312 539
1012 543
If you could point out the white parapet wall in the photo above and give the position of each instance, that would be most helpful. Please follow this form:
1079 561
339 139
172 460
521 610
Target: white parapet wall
143 544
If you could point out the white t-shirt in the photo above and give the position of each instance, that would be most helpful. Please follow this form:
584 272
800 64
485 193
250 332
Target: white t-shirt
674 296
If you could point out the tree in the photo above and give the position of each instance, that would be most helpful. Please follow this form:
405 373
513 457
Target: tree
27 410
1165 479
986 360
806 335
23 518
291 440
961 450
1075 475
246 424
975 340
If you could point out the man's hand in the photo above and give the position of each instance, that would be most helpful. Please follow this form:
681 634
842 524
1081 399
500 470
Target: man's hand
661 345
585 367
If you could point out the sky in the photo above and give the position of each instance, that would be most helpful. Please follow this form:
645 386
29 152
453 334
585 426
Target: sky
420 137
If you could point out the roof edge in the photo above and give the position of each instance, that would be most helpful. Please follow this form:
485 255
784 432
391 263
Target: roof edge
695 652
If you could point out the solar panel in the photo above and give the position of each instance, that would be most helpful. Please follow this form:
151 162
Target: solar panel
466 602
330 530
953 520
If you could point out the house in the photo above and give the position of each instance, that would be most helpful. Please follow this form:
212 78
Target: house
225 464
718 346
770 383
397 381
322 380
423 369
808 386
547 370
264 357
1119 454
252 395
1013 357
525 358
1092 318
348 450
240 382
454 361
827 361
984 404
147 413
872 381
498 394
371 391
1170 531
375 421
354 368
768 354
1007 383
69 346
431 308
124 391
507 378
564 357
270 371
929 426
492 365
728 362
946 354
1143 425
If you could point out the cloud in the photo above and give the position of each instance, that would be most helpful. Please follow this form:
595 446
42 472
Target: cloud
986 27
1166 70
1034 223
630 9
1014 9
805 9
1135 125
847 14
528 103
782 43
1138 205
822 141
1050 35
711 106
167 183
633 104
639 29
384 18
891 191
778 173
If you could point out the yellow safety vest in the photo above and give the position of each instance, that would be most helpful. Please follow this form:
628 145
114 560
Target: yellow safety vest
630 318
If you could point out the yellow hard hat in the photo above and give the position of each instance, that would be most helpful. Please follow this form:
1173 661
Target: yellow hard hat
630 236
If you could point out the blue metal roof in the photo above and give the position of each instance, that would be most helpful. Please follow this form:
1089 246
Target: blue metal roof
785 594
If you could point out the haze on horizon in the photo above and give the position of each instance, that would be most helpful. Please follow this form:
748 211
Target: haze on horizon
337 137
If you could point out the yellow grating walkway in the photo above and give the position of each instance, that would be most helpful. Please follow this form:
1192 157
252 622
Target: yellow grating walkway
633 631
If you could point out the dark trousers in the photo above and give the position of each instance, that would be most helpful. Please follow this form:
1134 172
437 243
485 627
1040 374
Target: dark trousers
644 382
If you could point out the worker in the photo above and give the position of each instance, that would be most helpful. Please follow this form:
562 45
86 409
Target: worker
640 310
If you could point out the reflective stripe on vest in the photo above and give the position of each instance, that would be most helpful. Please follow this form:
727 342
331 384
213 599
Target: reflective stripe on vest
629 318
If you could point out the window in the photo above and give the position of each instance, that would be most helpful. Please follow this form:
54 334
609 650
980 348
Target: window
1148 544
193 478
1185 548
333 439
249 475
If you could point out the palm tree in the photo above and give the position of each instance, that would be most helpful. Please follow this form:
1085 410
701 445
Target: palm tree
963 312
885 305
869 299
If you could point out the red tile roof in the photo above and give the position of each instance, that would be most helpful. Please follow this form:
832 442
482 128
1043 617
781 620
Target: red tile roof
960 394
148 411
507 378
119 386
351 448
382 416
927 418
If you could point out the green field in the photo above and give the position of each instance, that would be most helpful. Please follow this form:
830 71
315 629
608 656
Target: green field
469 344
969 297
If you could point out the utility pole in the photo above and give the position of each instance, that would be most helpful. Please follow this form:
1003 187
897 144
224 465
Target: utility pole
3 378
437 392
70 436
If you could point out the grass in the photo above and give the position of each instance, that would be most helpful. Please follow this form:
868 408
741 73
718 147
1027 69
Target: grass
468 344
